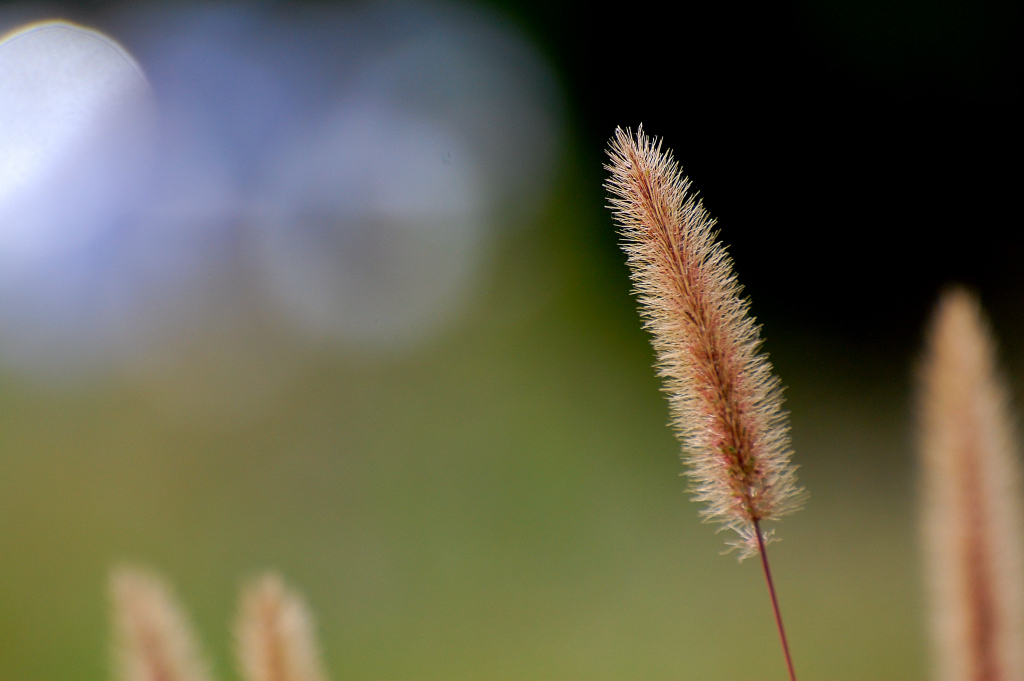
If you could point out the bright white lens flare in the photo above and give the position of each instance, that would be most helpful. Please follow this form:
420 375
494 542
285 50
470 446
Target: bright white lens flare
75 112
77 122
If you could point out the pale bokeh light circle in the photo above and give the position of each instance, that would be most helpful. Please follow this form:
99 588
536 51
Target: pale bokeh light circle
372 228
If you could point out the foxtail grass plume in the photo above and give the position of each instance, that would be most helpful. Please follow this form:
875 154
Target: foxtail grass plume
971 517
275 636
153 641
725 401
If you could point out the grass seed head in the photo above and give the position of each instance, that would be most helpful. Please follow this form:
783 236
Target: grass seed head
726 403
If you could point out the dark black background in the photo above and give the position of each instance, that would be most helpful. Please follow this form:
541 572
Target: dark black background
858 155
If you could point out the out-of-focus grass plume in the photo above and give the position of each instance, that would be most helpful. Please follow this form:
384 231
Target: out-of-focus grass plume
275 635
971 483
152 637
726 402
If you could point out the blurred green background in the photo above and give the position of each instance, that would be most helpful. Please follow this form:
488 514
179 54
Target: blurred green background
504 501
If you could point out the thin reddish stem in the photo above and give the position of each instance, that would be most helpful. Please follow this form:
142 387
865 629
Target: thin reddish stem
775 601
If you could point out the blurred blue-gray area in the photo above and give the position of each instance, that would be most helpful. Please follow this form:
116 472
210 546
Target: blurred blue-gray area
330 289
340 173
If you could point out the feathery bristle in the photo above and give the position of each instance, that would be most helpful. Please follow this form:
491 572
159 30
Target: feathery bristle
153 641
725 401
971 501
275 636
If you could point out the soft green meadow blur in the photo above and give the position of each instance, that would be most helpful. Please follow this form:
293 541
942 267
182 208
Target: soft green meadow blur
503 503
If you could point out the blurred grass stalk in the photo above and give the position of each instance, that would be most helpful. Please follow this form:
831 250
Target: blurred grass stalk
725 400
971 501
152 638
154 642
